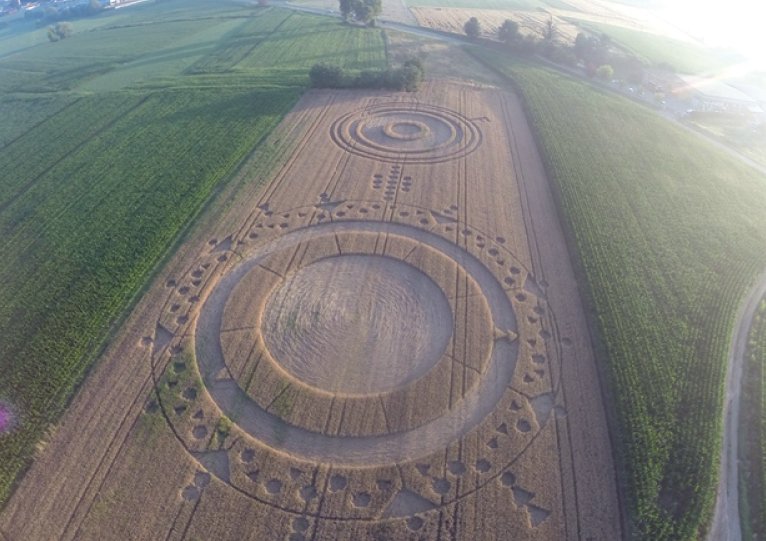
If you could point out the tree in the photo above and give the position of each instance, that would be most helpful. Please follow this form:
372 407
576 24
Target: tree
605 72
591 49
408 77
412 74
345 8
95 6
549 31
366 10
508 33
59 31
324 75
582 45
362 10
472 28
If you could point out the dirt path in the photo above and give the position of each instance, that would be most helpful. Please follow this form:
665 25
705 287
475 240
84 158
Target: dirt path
726 526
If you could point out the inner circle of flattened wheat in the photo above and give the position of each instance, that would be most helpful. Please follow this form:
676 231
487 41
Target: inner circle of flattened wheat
357 324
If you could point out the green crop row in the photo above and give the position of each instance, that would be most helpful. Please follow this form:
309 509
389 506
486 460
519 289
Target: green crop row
241 42
300 41
82 239
20 115
98 184
752 431
667 232
53 67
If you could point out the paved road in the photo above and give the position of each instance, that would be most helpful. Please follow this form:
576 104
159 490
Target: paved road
726 520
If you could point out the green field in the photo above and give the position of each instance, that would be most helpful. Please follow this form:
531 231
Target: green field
737 131
682 56
668 233
112 141
485 4
752 432
21 114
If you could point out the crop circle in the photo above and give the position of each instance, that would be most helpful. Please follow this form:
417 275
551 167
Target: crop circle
409 134
357 324
275 415
269 426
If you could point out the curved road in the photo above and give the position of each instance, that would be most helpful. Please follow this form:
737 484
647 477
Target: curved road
726 526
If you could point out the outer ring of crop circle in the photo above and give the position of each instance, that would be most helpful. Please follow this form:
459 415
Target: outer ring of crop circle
349 450
160 361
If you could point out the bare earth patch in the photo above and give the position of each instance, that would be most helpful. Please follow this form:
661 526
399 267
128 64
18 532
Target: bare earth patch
386 342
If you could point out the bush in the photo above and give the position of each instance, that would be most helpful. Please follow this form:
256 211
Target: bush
605 72
472 28
362 10
508 33
561 55
59 31
325 75
408 77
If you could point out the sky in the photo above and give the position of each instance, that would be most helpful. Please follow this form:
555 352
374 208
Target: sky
735 24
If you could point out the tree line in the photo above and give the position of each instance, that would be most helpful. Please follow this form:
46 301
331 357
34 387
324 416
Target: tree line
407 77
594 52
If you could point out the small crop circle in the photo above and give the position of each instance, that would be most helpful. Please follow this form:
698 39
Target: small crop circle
407 133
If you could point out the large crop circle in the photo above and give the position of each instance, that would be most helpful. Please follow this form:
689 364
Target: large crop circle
270 428
409 134
487 390
357 324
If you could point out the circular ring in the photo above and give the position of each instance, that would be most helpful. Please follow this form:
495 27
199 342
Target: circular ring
382 132
394 130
